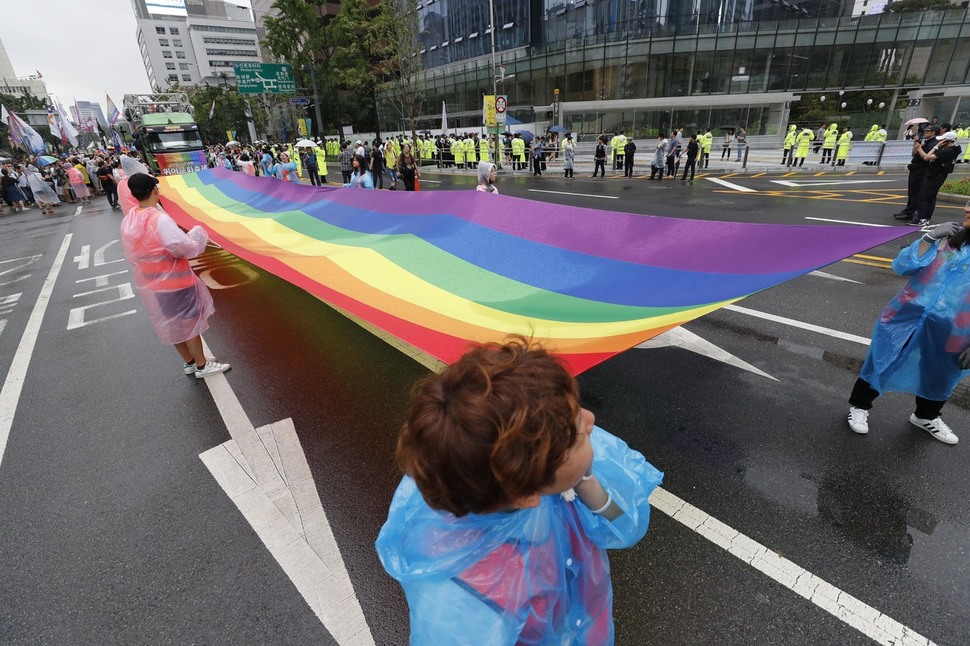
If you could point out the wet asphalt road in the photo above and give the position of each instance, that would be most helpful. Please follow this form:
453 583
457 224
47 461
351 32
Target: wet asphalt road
114 532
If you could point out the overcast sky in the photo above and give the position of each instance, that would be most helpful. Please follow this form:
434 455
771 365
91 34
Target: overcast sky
84 48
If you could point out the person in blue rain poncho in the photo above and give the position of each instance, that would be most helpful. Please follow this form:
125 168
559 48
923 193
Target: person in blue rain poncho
920 342
498 531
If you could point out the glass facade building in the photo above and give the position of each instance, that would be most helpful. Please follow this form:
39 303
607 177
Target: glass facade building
649 64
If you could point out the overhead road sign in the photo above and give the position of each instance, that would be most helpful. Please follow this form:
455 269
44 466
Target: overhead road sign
264 78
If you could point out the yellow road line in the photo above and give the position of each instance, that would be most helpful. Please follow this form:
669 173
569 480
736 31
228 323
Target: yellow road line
818 174
867 263
880 258
789 174
882 172
758 175
851 172
729 175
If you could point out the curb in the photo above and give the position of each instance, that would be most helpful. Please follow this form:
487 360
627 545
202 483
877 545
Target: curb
952 198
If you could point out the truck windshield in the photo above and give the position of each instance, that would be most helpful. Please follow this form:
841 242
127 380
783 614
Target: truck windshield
169 141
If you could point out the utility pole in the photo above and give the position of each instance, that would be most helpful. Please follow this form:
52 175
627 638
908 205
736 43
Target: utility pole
491 19
316 100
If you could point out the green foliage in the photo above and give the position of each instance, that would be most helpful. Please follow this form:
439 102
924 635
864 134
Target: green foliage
957 187
912 6
230 112
352 52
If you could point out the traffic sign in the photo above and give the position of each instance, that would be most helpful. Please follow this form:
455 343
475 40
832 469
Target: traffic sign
300 100
501 102
264 78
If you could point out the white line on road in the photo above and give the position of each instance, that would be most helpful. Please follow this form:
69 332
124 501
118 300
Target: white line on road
77 211
822 274
861 224
265 474
429 181
605 197
799 324
14 384
843 606
733 187
785 182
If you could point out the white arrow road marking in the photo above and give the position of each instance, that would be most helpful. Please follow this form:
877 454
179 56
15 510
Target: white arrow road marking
822 274
811 327
678 337
733 187
265 473
604 197
785 182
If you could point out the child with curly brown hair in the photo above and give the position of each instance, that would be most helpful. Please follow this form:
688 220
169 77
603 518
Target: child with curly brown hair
511 496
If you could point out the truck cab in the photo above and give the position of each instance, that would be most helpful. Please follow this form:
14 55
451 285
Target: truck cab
165 131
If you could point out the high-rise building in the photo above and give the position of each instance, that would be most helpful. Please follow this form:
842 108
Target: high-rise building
89 116
18 86
193 41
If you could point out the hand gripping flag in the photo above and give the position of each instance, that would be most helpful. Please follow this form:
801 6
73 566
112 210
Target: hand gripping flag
443 269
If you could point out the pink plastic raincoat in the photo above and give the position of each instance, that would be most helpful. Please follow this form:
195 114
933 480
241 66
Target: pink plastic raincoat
177 302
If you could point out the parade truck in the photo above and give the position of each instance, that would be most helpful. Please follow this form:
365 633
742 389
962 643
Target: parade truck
164 131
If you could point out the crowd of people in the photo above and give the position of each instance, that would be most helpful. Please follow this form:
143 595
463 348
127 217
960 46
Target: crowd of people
47 182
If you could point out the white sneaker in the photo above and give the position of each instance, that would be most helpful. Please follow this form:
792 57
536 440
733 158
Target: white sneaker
859 420
211 368
935 427
188 368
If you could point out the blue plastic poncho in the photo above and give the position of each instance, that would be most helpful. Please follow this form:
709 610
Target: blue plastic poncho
918 338
532 576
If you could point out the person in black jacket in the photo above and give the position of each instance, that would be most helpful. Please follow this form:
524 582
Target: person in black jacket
693 148
628 150
917 170
940 160
599 158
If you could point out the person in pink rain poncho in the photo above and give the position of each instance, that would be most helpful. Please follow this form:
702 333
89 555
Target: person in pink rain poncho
78 185
177 302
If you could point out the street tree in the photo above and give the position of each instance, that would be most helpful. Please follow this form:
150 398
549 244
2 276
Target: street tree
399 29
912 6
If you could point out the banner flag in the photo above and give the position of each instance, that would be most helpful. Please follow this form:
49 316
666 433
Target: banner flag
443 269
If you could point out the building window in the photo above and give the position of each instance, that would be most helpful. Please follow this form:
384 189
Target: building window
159 30
173 77
174 31
183 66
231 52
163 42
187 77
166 54
177 42
170 66
179 54
213 40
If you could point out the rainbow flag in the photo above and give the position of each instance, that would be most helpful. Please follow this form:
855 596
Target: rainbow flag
443 269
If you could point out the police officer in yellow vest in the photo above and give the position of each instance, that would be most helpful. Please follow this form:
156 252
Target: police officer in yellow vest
321 156
471 151
828 144
483 149
789 145
844 144
802 143
518 152
706 142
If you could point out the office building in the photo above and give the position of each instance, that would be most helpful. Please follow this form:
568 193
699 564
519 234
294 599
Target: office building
651 65
18 86
193 41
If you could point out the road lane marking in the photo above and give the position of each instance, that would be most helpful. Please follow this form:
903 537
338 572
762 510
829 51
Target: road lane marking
733 187
265 474
880 258
77 211
867 263
811 327
840 604
810 184
605 197
861 224
822 274
14 384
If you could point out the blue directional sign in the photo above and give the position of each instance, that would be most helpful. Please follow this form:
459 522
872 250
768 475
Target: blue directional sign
300 100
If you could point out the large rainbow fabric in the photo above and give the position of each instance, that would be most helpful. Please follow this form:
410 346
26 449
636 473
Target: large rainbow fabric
444 269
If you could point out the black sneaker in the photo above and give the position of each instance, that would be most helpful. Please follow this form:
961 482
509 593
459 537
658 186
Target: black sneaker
916 222
903 215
